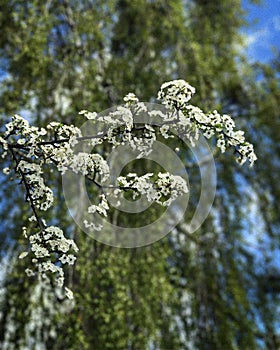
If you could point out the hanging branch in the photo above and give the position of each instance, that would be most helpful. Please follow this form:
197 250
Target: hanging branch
32 147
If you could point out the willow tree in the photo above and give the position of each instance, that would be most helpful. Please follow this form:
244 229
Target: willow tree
195 290
61 58
227 268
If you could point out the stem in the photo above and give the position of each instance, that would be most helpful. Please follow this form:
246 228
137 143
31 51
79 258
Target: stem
27 188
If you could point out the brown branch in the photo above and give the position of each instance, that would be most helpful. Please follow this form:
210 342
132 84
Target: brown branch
27 188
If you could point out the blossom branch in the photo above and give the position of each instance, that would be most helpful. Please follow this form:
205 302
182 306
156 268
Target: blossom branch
32 147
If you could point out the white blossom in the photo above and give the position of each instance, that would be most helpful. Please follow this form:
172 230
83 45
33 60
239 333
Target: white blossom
23 255
130 98
6 171
176 93
92 226
69 293
101 208
33 148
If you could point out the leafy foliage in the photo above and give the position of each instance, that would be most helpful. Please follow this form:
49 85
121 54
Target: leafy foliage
212 289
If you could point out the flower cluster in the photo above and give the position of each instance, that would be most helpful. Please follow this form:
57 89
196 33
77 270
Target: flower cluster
163 190
85 163
38 193
191 120
101 208
32 149
48 247
145 143
130 99
176 93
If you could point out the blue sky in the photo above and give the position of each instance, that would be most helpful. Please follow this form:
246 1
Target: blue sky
265 34
262 34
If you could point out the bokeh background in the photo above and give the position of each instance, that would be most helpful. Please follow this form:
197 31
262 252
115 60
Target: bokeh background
218 288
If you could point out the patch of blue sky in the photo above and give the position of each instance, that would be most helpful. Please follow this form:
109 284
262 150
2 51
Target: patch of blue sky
262 36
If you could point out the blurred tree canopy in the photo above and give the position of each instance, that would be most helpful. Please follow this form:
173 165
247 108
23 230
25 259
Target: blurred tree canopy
217 288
